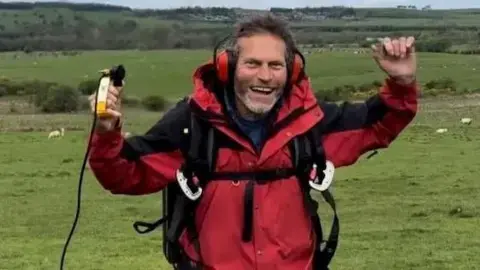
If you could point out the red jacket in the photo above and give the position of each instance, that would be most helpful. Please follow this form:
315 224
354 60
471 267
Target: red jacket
282 234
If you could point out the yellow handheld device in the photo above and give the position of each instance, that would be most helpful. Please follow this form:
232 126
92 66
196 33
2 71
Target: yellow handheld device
115 75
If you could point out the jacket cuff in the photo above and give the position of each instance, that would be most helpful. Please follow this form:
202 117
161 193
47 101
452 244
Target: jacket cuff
397 89
111 137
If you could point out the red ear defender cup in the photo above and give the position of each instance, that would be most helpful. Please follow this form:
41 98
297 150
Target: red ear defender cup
297 68
222 66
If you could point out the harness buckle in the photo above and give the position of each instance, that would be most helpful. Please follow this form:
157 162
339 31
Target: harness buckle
183 182
326 182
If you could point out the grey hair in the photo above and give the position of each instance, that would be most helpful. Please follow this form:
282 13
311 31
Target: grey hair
266 24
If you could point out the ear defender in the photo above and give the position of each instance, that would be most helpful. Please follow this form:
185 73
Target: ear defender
224 60
297 68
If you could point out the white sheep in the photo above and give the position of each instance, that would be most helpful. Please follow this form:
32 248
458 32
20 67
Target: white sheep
466 121
442 130
56 133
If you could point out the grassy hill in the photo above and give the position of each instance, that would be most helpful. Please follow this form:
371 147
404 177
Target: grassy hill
169 73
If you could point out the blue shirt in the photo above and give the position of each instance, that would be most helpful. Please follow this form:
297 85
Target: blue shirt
254 129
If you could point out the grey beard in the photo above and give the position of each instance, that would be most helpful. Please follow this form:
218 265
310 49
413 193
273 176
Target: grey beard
254 113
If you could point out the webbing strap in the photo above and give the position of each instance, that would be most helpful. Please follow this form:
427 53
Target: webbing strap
193 163
323 256
326 254
308 148
211 153
302 150
248 212
259 177
253 178
148 226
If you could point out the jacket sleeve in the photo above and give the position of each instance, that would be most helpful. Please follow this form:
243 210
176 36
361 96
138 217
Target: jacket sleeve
352 129
140 164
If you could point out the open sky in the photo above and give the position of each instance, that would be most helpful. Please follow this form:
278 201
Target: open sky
265 4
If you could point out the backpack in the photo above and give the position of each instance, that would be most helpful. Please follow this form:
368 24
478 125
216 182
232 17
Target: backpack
180 198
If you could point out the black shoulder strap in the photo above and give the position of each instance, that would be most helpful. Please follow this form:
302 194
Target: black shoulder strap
178 211
170 192
305 150
177 204
301 154
200 153
211 150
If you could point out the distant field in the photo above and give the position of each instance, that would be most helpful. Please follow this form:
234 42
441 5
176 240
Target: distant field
169 73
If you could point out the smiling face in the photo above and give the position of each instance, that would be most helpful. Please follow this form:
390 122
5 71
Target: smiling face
260 75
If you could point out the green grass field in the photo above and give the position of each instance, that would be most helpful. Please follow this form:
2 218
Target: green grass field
169 73
412 206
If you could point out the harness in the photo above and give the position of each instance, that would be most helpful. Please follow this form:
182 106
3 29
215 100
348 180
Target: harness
179 199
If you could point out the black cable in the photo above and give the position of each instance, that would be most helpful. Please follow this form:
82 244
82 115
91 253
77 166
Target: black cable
116 74
80 184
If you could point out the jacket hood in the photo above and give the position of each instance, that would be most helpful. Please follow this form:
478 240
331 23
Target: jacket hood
299 98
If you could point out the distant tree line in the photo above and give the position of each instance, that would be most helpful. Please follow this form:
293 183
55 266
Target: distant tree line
47 27
84 34
235 13
71 6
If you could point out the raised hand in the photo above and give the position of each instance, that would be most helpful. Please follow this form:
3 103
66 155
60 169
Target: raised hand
397 58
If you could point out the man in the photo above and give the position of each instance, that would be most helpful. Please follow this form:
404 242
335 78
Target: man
255 116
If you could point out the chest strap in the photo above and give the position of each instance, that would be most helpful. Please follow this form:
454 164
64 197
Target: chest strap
193 192
258 176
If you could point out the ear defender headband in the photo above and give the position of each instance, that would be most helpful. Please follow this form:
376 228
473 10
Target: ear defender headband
225 62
